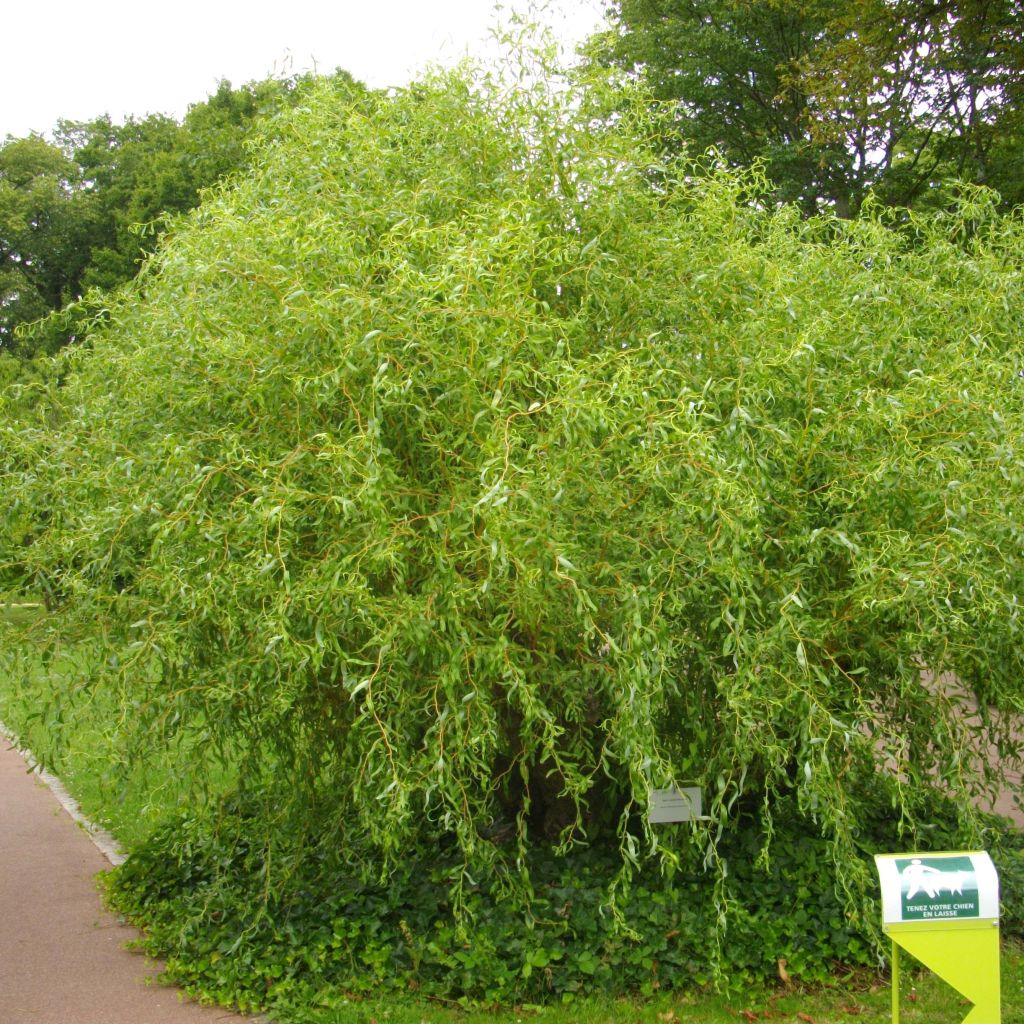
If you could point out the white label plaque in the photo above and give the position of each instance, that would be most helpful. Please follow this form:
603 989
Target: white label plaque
675 804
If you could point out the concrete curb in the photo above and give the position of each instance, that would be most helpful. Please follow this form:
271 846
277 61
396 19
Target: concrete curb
101 838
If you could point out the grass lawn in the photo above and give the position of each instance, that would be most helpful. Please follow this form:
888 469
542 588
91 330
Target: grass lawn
18 612
80 734
89 758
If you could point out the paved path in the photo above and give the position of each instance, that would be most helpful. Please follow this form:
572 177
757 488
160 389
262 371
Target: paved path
62 959
1006 802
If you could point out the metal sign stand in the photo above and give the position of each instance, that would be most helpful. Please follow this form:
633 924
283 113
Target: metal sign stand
895 983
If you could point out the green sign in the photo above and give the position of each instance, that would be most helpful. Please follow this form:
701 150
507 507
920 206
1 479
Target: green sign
937 888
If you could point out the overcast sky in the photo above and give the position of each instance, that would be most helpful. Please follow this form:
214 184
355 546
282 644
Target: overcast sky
78 59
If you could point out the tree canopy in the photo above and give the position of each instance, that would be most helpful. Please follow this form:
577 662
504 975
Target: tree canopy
466 471
934 88
837 99
723 66
83 212
43 231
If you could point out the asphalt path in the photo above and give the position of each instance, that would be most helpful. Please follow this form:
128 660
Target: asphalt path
62 954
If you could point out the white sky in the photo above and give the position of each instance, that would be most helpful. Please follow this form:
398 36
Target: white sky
78 59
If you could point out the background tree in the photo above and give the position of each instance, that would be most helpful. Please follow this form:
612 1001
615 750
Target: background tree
726 66
935 88
835 98
45 229
133 174
84 212
144 172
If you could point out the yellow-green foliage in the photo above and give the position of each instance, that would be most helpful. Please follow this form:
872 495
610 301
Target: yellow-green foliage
471 472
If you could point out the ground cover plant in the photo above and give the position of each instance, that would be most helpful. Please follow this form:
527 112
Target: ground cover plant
862 997
465 471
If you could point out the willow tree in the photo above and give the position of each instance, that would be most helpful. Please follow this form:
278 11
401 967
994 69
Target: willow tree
468 471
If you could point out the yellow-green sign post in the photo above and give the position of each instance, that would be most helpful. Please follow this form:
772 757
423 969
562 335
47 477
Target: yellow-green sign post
943 908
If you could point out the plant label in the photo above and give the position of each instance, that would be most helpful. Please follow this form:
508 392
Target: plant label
675 804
